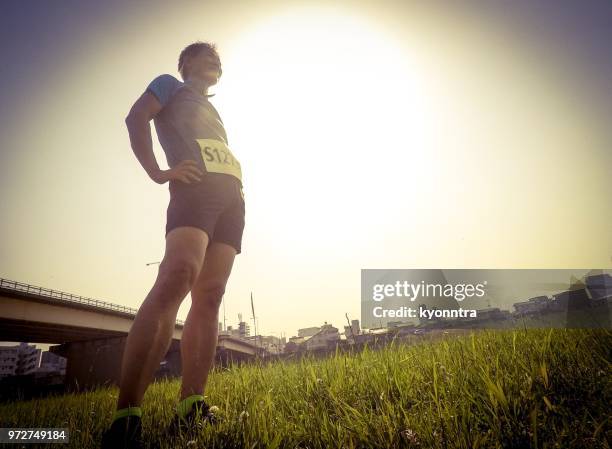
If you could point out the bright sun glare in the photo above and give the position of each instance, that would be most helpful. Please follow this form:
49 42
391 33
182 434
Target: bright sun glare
336 103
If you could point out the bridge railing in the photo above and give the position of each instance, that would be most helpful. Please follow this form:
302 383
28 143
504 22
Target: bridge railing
69 297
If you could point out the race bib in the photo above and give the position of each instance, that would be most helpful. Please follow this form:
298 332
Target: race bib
218 158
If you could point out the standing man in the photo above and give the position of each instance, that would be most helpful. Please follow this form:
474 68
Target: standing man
205 222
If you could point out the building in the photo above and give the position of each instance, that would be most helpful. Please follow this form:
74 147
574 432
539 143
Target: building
19 360
232 332
394 324
8 361
51 363
308 331
244 330
401 328
355 327
327 336
570 299
374 336
298 340
350 332
492 313
531 306
599 287
272 344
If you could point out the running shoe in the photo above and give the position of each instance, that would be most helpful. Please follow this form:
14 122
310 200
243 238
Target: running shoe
124 433
198 416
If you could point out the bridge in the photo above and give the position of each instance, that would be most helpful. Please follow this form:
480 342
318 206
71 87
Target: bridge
89 332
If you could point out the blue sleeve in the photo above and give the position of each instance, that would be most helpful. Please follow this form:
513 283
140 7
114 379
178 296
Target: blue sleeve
163 87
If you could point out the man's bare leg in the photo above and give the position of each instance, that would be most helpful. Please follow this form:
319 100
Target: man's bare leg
151 333
199 341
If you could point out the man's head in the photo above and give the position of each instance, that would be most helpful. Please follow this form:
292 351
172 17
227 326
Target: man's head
200 60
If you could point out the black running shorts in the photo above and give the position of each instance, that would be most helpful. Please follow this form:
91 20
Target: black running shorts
215 205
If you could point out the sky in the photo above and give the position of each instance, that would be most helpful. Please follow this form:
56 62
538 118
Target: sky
383 134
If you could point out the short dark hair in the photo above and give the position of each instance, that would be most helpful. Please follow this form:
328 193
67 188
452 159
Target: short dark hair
194 49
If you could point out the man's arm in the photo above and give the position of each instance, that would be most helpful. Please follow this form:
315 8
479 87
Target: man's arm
139 128
137 121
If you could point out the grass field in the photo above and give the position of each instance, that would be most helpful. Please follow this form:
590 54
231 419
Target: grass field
540 388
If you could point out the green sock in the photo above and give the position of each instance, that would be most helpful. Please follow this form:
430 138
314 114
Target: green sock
129 411
184 407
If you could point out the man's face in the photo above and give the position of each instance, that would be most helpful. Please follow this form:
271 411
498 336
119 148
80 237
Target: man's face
206 66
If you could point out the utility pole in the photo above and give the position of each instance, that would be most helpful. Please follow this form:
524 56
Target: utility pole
224 326
254 319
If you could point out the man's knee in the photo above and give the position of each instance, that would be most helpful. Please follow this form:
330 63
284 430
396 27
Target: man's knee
209 294
178 275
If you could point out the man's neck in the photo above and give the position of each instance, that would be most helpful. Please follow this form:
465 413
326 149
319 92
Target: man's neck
199 84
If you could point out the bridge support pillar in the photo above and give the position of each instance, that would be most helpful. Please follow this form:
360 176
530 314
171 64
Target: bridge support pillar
93 363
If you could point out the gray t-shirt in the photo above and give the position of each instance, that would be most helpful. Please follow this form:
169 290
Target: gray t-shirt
186 116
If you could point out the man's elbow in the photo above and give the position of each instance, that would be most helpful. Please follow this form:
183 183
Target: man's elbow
134 120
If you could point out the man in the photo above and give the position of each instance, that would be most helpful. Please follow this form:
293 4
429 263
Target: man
205 222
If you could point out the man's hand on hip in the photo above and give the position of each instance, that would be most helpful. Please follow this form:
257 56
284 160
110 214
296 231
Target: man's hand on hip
186 171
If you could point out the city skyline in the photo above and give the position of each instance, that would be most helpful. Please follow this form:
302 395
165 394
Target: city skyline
595 283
